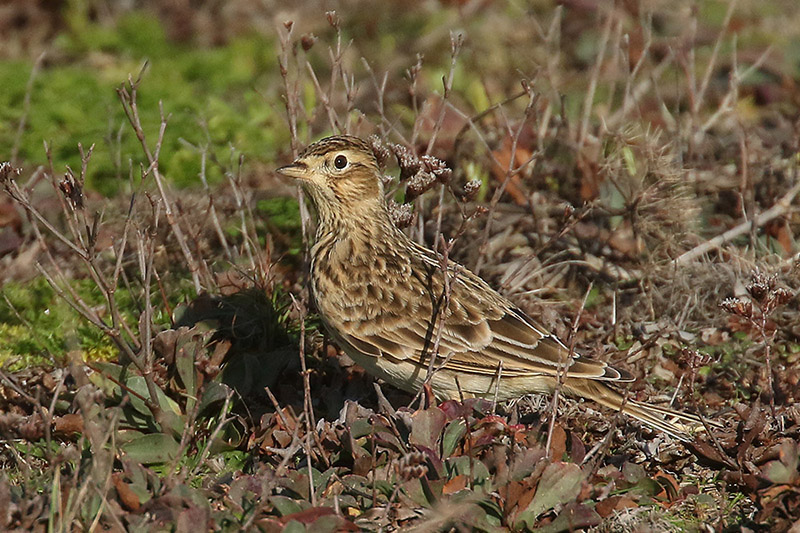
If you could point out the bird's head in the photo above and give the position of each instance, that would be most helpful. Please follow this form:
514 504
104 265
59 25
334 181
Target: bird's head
341 174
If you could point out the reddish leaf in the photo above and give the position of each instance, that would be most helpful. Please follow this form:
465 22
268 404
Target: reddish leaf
558 445
577 448
456 484
426 427
671 488
307 516
575 516
69 424
608 506
127 497
504 163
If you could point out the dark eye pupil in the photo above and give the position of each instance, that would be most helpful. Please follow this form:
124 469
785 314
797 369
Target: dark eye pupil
340 162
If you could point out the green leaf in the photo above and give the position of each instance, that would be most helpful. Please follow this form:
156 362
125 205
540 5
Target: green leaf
452 436
150 449
293 526
785 470
560 483
138 385
285 506
456 466
214 392
185 357
633 473
630 160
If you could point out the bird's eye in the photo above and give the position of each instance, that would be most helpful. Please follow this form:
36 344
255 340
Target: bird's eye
340 162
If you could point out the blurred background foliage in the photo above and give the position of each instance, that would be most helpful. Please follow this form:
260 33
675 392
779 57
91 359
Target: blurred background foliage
214 66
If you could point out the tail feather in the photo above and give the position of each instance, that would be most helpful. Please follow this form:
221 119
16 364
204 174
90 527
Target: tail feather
677 424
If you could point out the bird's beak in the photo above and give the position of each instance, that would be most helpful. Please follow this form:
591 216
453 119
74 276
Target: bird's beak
296 170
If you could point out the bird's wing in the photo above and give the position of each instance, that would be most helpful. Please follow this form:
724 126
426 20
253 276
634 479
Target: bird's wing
481 331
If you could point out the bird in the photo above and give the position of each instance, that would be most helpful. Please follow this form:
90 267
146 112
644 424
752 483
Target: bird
393 306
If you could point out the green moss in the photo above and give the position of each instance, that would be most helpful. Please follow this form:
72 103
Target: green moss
283 211
38 328
210 96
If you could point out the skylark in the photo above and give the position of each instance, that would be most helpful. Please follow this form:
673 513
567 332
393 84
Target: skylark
382 298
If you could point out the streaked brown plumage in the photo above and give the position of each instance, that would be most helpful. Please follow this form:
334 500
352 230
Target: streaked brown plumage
379 294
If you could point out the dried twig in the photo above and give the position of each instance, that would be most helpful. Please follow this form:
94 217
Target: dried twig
781 207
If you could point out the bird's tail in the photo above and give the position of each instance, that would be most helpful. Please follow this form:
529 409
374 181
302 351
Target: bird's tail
676 424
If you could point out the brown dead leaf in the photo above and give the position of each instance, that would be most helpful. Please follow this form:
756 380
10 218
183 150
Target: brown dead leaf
516 494
608 506
670 486
591 178
127 497
69 424
308 516
558 446
577 448
504 164
779 230
455 484
708 452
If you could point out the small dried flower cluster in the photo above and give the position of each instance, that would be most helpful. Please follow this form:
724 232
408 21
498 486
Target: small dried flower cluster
382 154
307 41
694 359
72 189
763 291
402 214
7 171
333 19
735 306
471 189
420 172
412 466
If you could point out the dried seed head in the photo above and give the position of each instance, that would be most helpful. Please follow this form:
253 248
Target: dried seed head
72 189
758 291
412 466
735 306
333 20
307 41
695 359
408 162
480 211
402 214
419 183
761 285
444 175
782 296
288 25
437 167
382 154
7 171
471 189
